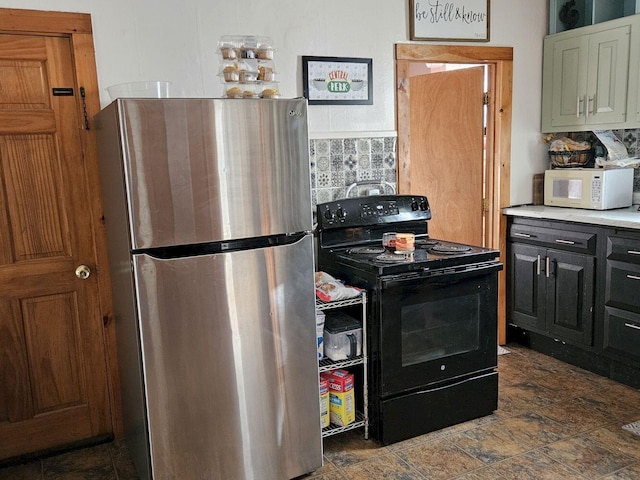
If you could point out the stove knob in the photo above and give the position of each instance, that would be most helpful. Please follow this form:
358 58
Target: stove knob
414 205
424 206
328 215
340 213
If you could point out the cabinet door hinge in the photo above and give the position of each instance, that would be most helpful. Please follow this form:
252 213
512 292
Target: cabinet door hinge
485 205
486 98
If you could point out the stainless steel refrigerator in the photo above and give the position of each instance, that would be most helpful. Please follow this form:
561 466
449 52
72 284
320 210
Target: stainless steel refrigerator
208 214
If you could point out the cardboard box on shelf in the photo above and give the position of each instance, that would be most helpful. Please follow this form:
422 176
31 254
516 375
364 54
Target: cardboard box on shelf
324 401
342 404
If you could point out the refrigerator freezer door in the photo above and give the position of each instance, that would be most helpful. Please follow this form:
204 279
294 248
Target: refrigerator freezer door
229 348
207 170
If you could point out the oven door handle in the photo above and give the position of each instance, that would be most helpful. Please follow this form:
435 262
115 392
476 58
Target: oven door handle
443 275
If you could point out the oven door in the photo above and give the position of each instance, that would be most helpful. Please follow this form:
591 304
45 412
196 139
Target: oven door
437 325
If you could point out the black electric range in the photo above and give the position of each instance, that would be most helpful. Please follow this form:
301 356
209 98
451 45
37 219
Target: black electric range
432 316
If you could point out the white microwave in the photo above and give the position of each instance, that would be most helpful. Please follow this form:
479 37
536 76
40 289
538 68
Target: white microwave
592 188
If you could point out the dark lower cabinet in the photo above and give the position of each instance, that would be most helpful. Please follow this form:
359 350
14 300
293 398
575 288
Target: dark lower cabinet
621 332
573 292
570 297
526 303
551 291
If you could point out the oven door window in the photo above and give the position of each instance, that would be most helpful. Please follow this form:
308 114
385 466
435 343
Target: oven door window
436 328
439 328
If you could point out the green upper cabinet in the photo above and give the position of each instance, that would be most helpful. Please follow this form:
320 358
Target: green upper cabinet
590 77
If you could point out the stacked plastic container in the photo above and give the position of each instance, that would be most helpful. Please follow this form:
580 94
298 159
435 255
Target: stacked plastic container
247 68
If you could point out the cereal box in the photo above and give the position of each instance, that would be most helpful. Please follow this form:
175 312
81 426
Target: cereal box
324 401
342 408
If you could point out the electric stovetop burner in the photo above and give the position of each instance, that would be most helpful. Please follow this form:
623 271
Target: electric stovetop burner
366 250
449 249
425 242
390 257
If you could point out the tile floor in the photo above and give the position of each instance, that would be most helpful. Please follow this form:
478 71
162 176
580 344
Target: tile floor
554 421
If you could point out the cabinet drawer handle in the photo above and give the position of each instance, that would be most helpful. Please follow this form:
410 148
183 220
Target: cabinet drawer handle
566 242
633 277
547 268
630 325
538 269
523 235
579 101
633 252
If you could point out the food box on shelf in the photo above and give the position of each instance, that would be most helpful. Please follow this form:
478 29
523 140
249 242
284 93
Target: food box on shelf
320 317
342 403
324 401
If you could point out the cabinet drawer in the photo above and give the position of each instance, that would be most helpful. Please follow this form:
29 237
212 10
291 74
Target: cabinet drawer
583 242
623 285
622 333
625 249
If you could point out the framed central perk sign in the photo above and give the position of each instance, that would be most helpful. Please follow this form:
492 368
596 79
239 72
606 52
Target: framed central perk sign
457 20
337 80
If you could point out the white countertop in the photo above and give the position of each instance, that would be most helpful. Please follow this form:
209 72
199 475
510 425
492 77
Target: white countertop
621 217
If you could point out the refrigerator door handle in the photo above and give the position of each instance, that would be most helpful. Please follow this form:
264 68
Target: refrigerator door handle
227 246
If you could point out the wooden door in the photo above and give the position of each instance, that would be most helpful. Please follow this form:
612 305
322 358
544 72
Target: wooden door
53 370
499 60
446 134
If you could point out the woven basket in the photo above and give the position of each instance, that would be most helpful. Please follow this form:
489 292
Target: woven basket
577 158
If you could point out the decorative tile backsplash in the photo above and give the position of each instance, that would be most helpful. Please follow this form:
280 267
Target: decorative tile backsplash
337 163
631 140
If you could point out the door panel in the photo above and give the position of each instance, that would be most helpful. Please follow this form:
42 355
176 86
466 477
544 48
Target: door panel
52 357
570 57
570 296
447 151
174 152
39 228
229 312
526 307
437 327
607 84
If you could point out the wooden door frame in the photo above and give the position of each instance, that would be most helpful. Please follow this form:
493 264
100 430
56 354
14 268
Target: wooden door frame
77 27
500 60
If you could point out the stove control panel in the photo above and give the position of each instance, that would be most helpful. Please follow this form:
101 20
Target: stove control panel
373 210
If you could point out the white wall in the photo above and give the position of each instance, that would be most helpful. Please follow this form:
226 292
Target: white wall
176 41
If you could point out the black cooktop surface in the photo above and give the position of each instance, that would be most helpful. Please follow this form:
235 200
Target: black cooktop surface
429 254
350 233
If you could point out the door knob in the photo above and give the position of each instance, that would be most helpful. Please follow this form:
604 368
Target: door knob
83 272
